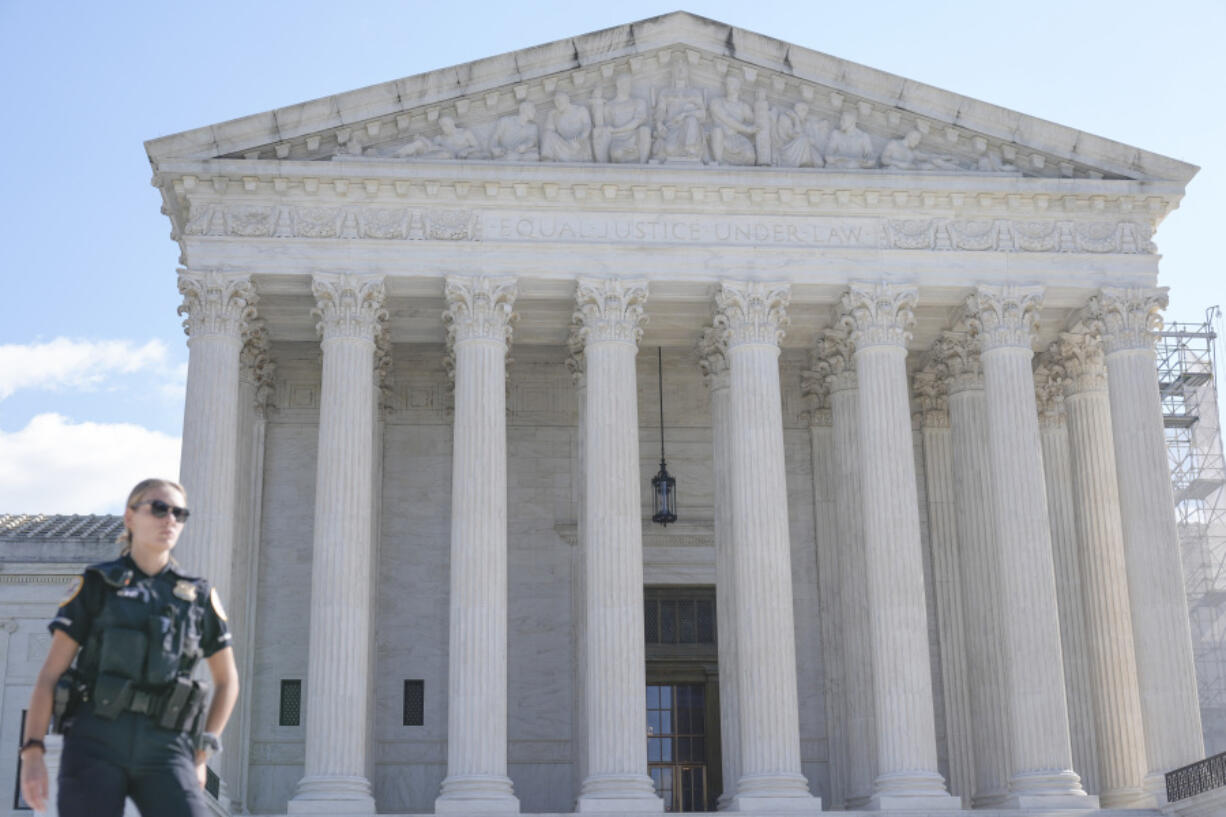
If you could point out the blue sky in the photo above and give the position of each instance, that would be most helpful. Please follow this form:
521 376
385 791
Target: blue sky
92 354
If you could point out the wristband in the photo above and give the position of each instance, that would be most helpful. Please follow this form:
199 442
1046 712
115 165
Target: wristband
33 743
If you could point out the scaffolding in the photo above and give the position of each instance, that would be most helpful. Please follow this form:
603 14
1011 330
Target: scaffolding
1186 379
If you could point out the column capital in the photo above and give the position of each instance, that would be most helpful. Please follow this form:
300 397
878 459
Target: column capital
610 309
879 314
713 358
216 303
1080 353
958 354
1003 316
576 363
1049 388
348 306
479 308
932 390
752 312
1128 318
256 363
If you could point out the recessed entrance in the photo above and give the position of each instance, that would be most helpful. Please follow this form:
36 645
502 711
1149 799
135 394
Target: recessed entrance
683 750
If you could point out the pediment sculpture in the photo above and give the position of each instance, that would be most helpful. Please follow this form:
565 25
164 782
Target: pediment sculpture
674 118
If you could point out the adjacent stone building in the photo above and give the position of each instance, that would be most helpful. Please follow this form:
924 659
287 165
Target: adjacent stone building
926 554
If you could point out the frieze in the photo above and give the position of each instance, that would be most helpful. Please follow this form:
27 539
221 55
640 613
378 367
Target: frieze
363 222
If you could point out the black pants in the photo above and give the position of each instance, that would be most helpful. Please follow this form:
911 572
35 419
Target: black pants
105 761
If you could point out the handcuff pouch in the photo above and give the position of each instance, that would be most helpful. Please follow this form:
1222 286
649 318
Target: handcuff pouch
112 695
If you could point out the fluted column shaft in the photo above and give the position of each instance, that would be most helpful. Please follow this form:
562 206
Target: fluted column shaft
1165 668
715 367
218 308
478 315
610 312
880 317
753 315
1112 663
1040 753
947 583
1058 476
837 368
350 310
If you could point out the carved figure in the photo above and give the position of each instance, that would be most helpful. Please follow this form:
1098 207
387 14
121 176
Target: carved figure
621 133
901 154
567 136
420 146
990 161
679 114
850 147
454 142
763 127
517 136
732 123
797 139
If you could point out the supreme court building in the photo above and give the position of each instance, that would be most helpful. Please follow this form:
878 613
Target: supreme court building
925 556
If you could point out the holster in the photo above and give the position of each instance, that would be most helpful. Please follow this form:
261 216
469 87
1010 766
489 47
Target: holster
112 695
183 703
69 692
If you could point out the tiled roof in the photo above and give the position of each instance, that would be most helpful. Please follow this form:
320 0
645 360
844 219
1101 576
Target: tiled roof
36 527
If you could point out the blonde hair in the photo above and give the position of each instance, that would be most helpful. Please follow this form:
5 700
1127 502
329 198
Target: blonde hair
135 496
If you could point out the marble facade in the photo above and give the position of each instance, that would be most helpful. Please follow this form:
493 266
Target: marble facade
416 312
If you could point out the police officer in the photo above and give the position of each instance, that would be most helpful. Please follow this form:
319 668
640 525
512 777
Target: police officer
135 724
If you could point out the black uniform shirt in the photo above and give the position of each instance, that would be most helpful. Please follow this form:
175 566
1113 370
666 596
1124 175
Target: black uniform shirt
144 596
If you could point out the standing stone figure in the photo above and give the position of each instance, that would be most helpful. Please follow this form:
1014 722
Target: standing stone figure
797 139
679 114
849 147
732 125
517 136
568 132
621 133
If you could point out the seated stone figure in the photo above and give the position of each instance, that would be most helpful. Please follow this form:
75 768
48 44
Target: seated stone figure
732 126
797 140
901 154
517 136
621 133
679 115
567 136
849 147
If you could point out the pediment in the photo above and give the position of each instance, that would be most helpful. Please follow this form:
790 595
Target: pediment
674 90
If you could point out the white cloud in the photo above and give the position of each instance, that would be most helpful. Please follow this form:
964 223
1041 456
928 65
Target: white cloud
54 465
76 364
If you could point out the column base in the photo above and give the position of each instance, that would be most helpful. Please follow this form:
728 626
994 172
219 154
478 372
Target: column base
1154 784
618 793
901 791
1048 789
332 794
1128 798
1050 801
476 793
774 792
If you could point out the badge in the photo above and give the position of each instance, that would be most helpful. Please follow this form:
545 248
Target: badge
73 589
185 590
216 601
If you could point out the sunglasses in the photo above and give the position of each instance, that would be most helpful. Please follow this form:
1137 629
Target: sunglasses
159 509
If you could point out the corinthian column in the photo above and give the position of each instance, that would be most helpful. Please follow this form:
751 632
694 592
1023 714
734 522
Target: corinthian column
478 330
931 390
1042 773
714 363
752 315
961 368
836 368
1165 668
218 307
610 317
1104 580
1058 476
880 317
350 312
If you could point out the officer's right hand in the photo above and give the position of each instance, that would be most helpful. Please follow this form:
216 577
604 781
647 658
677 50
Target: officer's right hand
34 779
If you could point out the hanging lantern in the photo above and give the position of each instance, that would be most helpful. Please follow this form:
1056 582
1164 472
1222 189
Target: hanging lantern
663 485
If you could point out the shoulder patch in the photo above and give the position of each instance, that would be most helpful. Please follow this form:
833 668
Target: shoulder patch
215 600
73 589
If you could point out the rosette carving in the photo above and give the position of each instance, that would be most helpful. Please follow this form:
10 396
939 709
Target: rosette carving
216 303
752 312
879 314
1080 354
610 309
713 359
958 354
1129 318
1049 387
348 306
1001 316
479 308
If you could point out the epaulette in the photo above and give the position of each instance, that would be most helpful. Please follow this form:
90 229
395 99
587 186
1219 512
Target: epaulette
116 572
